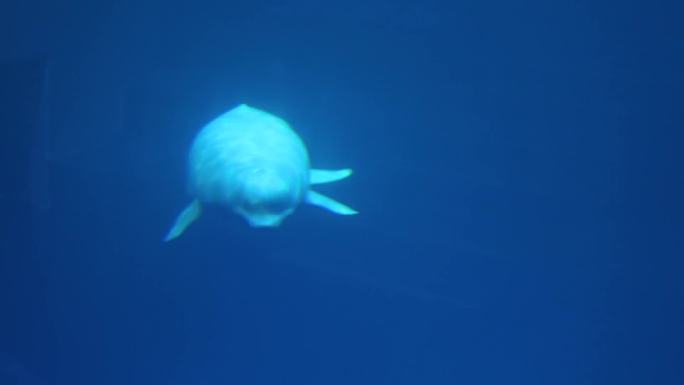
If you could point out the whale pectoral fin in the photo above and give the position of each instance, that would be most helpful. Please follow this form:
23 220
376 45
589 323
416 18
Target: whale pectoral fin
321 200
317 176
184 219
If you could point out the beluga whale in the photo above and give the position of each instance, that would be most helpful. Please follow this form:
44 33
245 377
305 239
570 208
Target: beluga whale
252 163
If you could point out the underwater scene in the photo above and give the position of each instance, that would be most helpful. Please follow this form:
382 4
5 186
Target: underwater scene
374 192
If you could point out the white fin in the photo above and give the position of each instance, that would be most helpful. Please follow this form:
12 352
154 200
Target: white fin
184 219
326 176
321 200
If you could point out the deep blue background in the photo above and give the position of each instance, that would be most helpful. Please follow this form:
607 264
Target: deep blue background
517 170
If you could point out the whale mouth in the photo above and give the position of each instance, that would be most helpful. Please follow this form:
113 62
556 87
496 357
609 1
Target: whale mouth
265 198
260 217
264 220
268 213
266 192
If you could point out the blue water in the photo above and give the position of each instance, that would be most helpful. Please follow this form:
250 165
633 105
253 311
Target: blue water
517 169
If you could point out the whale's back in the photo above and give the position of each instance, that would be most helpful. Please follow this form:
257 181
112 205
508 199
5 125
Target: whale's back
243 142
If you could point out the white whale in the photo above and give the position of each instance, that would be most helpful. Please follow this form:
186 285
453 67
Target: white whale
253 163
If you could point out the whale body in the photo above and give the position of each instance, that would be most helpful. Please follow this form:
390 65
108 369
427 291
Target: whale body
254 164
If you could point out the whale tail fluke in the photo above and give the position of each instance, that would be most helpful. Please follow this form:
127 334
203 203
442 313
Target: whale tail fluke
184 219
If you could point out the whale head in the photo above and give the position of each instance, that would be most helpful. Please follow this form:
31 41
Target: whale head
266 197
